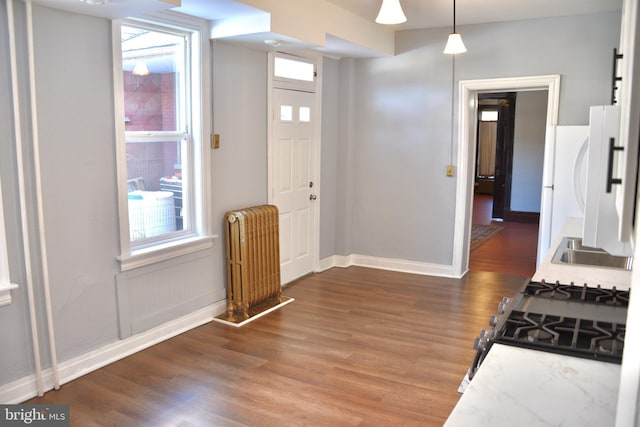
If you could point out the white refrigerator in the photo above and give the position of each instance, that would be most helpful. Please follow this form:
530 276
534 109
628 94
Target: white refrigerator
565 188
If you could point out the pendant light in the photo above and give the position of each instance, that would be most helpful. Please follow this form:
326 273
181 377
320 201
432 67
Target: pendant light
140 69
454 43
391 13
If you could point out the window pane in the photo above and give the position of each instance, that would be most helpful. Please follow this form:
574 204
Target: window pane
291 69
154 85
488 116
152 65
154 179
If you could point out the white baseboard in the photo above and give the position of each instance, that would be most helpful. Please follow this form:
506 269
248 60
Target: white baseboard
405 266
25 388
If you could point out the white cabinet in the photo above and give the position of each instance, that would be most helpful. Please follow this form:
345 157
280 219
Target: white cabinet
601 218
613 150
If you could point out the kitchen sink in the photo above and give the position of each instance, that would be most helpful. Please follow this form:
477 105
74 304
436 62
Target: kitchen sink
575 243
571 251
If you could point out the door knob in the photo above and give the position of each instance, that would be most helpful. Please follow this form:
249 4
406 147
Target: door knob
312 197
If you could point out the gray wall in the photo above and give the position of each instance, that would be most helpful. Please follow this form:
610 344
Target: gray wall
403 204
528 151
329 177
75 122
93 303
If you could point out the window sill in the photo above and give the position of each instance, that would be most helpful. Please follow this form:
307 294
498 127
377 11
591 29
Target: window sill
158 253
5 293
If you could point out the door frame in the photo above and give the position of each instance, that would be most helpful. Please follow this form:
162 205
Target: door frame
316 89
468 91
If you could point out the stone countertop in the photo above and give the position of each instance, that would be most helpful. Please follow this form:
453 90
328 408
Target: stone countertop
517 386
579 274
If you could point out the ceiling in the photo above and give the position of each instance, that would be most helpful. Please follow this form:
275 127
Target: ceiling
437 13
420 14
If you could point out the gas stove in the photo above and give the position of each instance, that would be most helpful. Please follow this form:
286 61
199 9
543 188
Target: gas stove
580 321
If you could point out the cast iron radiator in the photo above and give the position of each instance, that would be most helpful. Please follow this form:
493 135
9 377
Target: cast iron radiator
253 260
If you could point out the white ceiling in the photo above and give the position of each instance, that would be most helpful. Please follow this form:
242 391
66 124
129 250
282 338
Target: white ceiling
420 13
434 13
439 13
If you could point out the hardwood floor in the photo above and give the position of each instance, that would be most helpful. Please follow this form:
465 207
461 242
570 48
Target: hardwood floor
512 251
358 347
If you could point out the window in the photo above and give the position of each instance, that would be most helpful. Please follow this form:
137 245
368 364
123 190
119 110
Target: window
5 281
294 69
161 163
293 72
488 116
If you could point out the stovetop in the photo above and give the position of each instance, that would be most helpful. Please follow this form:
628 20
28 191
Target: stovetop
582 321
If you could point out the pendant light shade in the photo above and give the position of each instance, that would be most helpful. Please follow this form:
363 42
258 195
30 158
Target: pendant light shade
391 13
454 42
140 69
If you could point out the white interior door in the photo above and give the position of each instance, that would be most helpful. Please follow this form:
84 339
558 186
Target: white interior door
294 189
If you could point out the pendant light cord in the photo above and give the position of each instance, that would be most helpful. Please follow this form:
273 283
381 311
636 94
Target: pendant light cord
453 82
454 16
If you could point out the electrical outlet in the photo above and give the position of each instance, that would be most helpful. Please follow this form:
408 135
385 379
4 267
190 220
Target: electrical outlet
450 170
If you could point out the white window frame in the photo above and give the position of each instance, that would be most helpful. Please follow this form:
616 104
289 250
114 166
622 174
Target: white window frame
199 237
5 279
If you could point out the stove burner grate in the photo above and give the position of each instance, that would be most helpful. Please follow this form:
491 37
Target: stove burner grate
590 294
565 335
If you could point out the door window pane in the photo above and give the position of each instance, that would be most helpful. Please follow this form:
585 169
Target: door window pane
286 113
305 114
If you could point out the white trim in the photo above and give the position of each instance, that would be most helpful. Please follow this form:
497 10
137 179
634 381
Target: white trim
121 151
164 252
317 166
468 90
24 388
199 129
5 292
400 265
44 258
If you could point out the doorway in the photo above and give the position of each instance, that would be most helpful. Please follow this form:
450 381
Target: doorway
509 162
294 159
467 102
494 149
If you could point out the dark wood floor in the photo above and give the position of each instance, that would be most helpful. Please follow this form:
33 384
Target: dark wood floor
512 251
358 347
